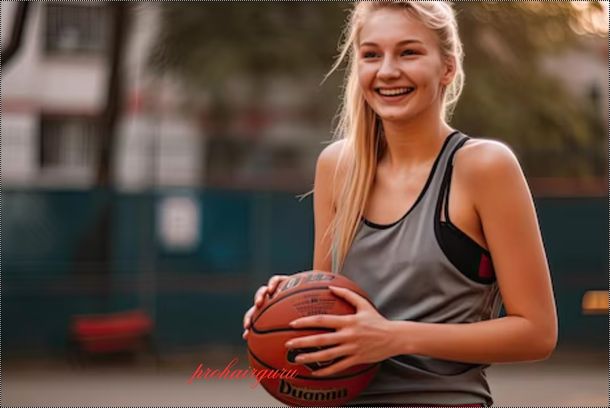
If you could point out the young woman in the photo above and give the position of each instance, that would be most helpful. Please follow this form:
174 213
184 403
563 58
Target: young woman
439 229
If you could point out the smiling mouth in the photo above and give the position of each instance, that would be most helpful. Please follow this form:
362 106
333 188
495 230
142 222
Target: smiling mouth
394 92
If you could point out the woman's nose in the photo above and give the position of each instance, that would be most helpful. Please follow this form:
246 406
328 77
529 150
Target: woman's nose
388 69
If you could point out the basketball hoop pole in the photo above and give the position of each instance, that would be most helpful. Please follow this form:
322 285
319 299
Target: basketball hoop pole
148 275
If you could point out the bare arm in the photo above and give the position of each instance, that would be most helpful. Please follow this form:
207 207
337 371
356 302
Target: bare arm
508 216
324 205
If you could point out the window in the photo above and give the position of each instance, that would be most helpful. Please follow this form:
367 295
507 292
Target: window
76 29
68 143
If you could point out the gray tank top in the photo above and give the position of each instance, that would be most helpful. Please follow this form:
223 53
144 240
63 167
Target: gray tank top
408 277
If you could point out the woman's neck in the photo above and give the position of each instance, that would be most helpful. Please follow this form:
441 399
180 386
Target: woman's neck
409 144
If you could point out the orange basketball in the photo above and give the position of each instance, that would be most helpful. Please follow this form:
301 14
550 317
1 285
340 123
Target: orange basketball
304 294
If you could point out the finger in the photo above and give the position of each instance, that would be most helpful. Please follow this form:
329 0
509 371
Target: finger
355 299
259 296
337 367
324 355
274 282
317 340
248 316
321 320
245 334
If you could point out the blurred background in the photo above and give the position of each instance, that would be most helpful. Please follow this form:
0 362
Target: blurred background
152 159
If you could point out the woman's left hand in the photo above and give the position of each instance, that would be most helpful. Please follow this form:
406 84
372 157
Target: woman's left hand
363 337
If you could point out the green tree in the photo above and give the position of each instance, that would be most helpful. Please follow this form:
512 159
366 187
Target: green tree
508 96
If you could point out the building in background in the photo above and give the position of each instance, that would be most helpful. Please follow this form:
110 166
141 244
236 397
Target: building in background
53 94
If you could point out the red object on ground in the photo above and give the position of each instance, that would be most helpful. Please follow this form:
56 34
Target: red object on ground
109 333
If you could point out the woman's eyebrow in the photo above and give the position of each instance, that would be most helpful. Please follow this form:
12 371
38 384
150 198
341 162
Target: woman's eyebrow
401 43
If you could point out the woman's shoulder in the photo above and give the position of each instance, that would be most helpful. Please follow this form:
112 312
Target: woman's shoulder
331 166
333 157
480 154
482 158
332 153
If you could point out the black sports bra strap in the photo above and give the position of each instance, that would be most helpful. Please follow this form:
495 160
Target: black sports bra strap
446 184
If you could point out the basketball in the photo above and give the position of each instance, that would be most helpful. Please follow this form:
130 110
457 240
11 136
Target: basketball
303 294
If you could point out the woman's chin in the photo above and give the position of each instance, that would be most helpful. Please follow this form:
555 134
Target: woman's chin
394 116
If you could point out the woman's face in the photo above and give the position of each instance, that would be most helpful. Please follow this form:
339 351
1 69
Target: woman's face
399 65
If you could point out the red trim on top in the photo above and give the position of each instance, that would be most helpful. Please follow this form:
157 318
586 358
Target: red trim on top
485 267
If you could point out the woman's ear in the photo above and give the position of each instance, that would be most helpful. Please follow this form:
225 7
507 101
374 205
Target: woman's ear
449 69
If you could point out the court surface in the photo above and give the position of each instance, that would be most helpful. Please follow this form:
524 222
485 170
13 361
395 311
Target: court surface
569 378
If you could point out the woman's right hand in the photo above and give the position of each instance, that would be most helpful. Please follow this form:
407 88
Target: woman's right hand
259 296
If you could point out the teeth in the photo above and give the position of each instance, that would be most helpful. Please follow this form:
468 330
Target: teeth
394 92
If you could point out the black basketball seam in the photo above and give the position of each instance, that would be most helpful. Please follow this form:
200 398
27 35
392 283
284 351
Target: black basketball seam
305 377
286 297
294 293
282 329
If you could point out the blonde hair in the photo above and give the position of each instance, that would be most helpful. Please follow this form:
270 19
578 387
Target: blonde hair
360 127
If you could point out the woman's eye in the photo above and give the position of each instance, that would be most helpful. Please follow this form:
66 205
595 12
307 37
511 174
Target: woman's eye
372 54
